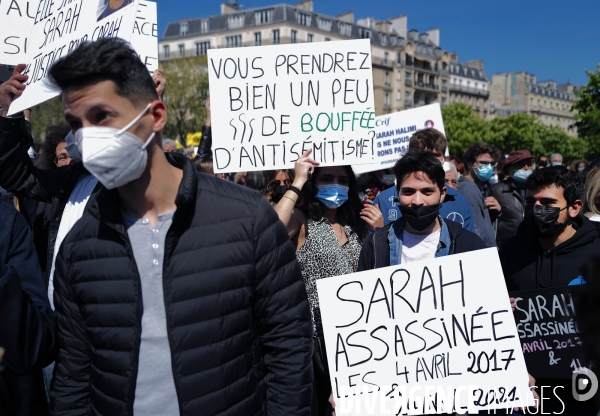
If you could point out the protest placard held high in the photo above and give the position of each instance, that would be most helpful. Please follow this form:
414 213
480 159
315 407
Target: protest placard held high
275 102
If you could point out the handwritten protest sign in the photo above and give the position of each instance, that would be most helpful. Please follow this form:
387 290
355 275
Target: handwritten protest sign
548 331
58 28
275 102
438 332
145 34
393 131
16 20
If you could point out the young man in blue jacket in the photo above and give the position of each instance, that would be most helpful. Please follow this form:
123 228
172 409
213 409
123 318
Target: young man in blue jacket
455 206
421 233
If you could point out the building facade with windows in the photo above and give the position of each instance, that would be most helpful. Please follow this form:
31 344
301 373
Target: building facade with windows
520 92
469 84
409 68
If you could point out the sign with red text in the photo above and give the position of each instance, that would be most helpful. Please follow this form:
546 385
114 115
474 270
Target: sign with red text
393 132
145 34
437 334
275 102
58 28
548 330
16 20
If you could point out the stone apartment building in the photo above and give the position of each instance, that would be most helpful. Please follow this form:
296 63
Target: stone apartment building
519 92
469 84
409 68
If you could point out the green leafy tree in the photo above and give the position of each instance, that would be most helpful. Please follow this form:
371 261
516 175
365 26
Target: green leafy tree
519 131
464 127
187 89
587 106
45 115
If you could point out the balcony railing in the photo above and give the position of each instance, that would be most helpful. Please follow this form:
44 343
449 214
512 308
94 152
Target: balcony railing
408 102
424 86
444 88
422 68
469 90
381 61
408 83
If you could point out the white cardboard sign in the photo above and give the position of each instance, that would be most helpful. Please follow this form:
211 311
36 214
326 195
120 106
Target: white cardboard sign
16 19
145 34
275 102
409 332
58 28
393 131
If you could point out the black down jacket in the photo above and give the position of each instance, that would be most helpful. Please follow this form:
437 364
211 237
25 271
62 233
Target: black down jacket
238 319
513 209
19 176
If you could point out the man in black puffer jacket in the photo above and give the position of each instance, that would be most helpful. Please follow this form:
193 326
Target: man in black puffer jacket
420 233
176 292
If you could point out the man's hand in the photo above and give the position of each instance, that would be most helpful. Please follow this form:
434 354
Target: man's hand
371 214
12 89
492 204
159 82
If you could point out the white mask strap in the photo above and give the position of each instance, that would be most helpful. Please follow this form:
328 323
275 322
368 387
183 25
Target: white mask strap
134 121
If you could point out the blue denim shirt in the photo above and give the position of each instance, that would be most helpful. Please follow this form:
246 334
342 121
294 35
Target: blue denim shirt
395 239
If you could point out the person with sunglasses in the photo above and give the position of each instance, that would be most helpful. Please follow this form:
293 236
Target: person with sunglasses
480 164
322 212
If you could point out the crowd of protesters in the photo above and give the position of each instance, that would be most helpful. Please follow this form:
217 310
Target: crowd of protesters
133 284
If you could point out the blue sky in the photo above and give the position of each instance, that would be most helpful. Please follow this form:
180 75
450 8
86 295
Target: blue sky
553 39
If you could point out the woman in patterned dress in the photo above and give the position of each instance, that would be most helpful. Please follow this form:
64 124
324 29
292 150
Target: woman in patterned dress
327 229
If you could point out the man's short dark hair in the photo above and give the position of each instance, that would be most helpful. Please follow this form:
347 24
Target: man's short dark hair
417 160
428 139
108 59
54 136
559 176
477 149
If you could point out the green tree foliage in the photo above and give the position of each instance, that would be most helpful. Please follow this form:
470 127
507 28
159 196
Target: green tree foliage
45 115
515 132
187 89
587 106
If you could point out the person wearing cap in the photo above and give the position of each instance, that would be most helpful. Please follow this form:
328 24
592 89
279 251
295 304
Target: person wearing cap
510 194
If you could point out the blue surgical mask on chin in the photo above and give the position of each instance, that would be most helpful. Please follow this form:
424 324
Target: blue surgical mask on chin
332 196
484 172
521 175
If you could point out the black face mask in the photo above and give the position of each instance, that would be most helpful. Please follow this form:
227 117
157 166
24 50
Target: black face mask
543 220
278 193
421 217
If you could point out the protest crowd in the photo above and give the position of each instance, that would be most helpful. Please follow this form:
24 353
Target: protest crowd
136 280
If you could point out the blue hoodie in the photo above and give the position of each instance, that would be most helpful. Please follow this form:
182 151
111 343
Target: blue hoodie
455 207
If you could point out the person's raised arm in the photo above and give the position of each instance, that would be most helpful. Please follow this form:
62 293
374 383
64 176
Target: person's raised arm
285 209
160 83
12 88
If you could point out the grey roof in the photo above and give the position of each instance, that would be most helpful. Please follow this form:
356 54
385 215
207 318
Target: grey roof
467 71
550 92
282 13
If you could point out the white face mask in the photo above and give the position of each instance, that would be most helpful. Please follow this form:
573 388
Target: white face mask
114 157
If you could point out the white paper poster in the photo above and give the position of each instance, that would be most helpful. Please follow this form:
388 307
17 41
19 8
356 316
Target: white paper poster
275 102
16 20
145 34
58 28
435 332
393 131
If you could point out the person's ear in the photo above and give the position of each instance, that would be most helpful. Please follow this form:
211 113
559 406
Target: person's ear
575 209
158 110
443 194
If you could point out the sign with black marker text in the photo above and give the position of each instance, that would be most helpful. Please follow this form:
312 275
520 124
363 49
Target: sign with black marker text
58 28
16 20
275 102
393 132
145 34
547 326
437 334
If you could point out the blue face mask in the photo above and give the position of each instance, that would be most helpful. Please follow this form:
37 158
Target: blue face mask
556 164
332 196
484 172
521 175
580 169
